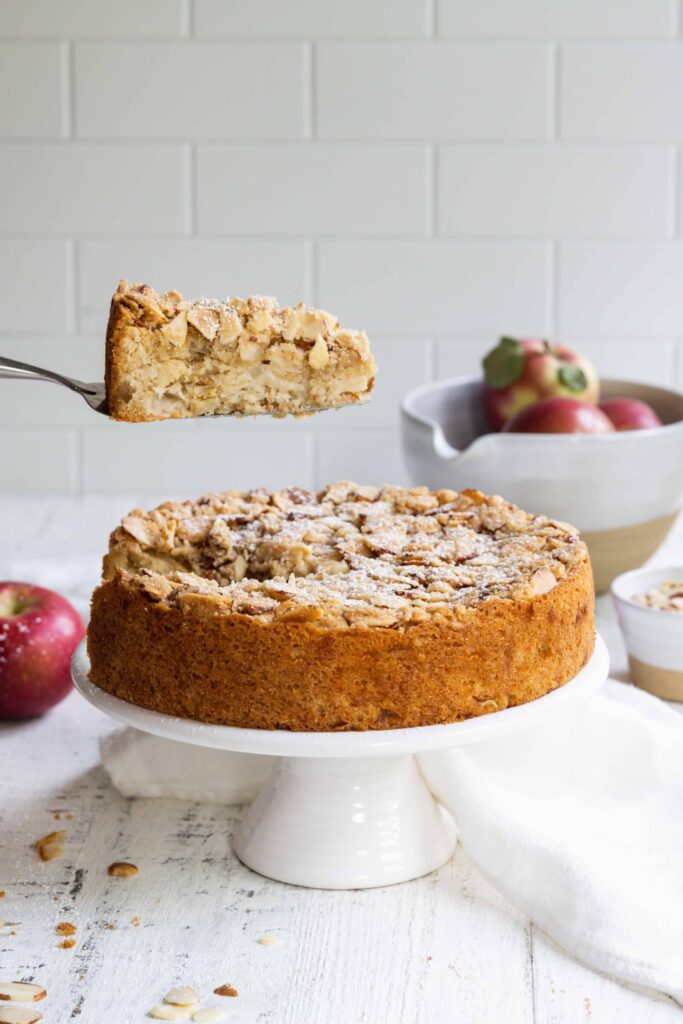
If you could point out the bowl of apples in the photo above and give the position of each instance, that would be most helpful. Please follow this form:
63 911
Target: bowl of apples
539 427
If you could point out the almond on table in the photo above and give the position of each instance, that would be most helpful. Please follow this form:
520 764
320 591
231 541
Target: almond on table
18 1015
21 992
122 869
226 990
165 1011
182 996
209 1015
51 845
169 358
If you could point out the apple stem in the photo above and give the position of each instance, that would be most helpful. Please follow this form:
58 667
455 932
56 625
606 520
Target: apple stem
14 603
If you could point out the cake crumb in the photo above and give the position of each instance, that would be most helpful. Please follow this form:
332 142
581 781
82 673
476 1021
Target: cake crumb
67 943
2 893
268 940
65 928
135 921
225 990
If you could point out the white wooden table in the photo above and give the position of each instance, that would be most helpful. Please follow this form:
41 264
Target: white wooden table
444 948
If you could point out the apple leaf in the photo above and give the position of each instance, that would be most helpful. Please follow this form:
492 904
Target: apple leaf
572 377
503 365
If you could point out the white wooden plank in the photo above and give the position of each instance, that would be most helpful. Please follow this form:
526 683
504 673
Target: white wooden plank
566 992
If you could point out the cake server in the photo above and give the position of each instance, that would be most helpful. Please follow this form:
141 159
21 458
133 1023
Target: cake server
94 394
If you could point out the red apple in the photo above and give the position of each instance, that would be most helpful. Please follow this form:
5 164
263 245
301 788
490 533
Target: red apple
559 416
517 373
39 632
630 414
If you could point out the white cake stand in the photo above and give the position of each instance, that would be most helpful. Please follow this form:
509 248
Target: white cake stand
346 810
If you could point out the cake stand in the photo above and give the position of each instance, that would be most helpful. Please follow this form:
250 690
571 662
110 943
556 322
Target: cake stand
347 810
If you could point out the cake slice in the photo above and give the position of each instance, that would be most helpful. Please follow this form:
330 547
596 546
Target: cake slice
169 358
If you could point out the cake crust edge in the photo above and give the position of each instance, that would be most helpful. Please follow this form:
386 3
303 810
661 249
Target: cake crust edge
296 676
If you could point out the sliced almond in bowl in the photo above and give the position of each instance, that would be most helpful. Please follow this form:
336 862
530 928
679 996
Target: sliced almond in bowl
21 991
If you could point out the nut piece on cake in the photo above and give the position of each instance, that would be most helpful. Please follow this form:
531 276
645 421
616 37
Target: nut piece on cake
168 358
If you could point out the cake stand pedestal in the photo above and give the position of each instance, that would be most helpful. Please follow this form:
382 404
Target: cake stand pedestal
346 810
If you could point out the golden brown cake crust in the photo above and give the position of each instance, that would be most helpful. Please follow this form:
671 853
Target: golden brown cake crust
304 653
169 358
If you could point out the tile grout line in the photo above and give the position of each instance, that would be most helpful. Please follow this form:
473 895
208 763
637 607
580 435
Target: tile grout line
553 288
432 19
71 285
351 142
554 69
675 192
310 57
67 90
78 462
191 203
431 190
187 22
310 270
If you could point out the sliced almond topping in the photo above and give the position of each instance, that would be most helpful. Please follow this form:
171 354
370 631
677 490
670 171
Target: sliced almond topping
18 1015
231 325
239 568
139 528
319 356
182 996
226 990
208 1015
206 320
51 845
250 351
121 869
21 991
175 330
541 582
165 1011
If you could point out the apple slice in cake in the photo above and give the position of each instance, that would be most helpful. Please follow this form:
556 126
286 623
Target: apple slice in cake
169 358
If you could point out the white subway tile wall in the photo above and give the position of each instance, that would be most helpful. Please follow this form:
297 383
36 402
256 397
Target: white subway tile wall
435 171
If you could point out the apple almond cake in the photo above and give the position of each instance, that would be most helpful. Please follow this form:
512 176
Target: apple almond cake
169 358
355 608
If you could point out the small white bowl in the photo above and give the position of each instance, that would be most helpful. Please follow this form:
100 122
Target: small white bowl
654 638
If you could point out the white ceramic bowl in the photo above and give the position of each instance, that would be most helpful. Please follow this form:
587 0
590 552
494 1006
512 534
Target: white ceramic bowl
653 638
621 490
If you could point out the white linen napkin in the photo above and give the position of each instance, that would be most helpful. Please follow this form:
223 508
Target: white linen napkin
578 822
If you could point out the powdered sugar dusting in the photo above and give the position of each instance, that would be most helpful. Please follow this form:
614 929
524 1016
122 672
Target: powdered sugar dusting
350 555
